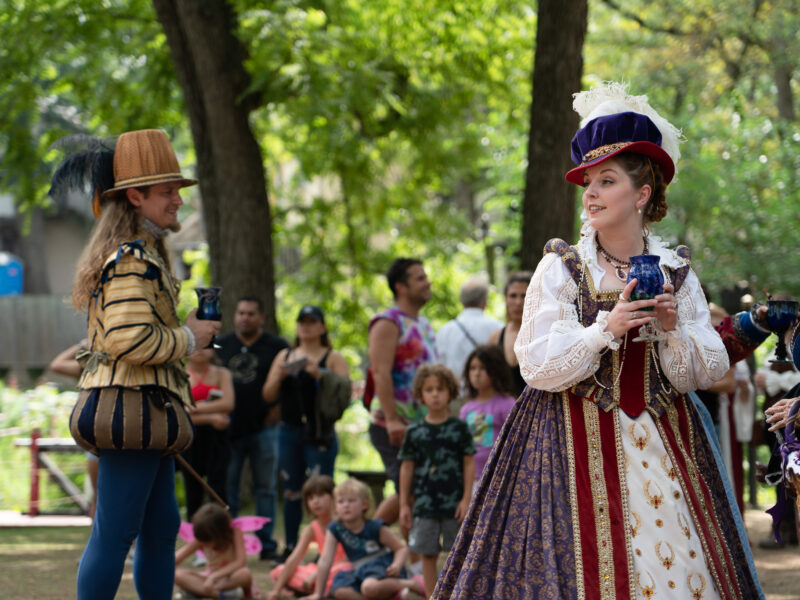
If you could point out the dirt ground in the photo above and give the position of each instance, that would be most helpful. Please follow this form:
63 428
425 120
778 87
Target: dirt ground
40 563
778 570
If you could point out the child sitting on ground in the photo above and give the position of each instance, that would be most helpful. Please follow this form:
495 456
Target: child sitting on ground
490 402
226 563
377 554
437 470
318 500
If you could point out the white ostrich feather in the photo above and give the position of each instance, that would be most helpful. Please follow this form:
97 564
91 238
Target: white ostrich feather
612 97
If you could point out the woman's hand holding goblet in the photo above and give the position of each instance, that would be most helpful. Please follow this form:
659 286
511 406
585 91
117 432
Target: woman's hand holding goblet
667 308
625 314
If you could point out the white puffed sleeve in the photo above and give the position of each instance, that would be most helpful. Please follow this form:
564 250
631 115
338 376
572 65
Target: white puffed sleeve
554 350
693 356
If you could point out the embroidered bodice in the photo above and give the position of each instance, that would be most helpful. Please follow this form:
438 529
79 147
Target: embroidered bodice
563 343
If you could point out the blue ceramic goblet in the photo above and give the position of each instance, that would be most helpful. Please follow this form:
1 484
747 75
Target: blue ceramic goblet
781 314
649 283
208 308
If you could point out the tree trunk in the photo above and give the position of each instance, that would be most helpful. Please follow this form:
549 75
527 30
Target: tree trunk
208 60
549 205
783 83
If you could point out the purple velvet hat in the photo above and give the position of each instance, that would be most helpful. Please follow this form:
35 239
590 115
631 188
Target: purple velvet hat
606 136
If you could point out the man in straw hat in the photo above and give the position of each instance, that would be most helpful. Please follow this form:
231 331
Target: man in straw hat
130 411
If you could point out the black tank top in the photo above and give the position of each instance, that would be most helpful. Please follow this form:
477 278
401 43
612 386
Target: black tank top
517 382
297 395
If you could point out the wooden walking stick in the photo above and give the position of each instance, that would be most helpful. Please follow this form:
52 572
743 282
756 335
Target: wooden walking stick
188 468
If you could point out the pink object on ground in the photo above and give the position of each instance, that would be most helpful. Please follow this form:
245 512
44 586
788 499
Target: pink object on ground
252 545
303 572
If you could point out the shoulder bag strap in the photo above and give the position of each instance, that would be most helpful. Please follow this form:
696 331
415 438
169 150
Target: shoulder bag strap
466 333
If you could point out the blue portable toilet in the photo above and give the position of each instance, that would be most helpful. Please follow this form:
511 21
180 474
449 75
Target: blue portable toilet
10 274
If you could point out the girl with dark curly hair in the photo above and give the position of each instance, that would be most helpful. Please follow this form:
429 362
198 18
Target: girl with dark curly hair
488 381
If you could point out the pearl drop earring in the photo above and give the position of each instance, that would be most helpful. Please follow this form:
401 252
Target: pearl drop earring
639 211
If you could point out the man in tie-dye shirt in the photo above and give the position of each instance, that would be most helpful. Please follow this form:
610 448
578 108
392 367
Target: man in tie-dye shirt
400 340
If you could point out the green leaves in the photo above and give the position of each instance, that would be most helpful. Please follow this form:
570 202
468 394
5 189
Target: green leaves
712 68
393 128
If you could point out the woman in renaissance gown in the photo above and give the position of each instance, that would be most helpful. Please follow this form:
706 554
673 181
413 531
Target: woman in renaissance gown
603 482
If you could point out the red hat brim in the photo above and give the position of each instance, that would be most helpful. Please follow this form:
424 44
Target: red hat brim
649 149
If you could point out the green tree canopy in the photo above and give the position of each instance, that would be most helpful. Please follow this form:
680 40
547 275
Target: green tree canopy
388 129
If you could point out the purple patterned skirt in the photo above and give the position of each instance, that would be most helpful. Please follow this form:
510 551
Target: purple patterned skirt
518 539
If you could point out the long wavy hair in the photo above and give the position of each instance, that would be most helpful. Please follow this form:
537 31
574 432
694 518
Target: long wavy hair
118 223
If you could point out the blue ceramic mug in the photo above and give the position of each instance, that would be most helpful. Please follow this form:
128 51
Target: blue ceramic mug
649 279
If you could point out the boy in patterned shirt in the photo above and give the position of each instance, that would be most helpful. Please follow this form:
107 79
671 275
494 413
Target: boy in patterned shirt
437 470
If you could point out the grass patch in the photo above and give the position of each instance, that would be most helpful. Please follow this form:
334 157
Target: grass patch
41 562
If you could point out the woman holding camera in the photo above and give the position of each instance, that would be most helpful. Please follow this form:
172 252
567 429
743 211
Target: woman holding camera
308 444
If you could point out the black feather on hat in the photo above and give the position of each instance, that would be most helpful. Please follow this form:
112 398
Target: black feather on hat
92 166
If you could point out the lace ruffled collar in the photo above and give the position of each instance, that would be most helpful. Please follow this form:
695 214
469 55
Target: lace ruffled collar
669 258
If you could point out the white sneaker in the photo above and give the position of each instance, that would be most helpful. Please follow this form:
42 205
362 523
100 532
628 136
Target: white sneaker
199 560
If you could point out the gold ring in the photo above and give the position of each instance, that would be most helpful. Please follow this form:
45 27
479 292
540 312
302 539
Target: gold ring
623 298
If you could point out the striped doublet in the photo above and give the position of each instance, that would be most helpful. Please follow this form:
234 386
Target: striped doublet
135 338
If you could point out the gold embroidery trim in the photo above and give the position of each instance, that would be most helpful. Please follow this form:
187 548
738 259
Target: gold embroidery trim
615 367
603 150
634 527
687 531
622 459
639 442
697 592
671 471
573 499
605 554
647 591
667 561
654 500
599 295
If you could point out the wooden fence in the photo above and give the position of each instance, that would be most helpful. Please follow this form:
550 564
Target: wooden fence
34 328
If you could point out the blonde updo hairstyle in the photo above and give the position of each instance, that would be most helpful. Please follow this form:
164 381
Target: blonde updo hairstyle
644 171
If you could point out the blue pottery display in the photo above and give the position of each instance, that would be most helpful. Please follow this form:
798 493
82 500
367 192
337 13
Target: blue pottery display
649 279
781 314
208 303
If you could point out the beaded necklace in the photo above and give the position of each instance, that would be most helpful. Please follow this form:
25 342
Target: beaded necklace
651 345
619 265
